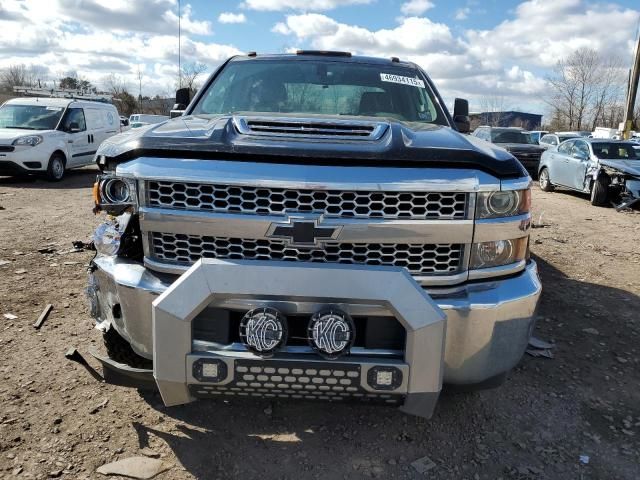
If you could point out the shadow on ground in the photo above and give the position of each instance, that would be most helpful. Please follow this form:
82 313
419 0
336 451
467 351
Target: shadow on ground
77 178
280 439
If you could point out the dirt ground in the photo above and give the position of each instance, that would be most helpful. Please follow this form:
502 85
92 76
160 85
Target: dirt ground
585 401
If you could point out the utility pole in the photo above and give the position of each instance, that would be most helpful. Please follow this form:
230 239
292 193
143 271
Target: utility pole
179 46
632 92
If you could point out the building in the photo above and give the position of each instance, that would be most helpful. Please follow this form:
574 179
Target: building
529 121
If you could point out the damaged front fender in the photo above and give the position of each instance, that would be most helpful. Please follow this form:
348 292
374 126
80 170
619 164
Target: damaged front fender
624 178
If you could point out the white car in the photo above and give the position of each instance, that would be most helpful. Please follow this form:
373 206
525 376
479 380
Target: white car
50 135
146 119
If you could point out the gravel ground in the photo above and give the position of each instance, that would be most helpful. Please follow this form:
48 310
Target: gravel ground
56 421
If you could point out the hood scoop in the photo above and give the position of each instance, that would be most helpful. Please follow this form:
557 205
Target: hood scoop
310 128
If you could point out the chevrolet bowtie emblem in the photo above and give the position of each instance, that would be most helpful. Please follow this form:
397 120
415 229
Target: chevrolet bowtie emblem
303 232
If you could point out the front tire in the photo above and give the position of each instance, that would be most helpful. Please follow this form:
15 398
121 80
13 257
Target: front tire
545 181
56 168
600 191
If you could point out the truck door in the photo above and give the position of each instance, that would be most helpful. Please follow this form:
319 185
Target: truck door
78 140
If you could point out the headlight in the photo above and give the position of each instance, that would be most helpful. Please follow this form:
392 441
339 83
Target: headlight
112 193
503 203
31 140
108 235
498 253
116 190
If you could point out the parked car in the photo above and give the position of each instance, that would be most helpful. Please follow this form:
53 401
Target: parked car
536 135
50 135
250 249
555 139
606 169
147 119
516 141
577 133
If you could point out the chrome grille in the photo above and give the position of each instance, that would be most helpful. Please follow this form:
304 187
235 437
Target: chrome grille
331 203
425 259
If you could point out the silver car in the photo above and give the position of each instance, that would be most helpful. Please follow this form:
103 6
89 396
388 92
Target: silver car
608 170
551 140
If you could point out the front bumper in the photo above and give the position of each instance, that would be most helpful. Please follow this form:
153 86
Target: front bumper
8 167
487 323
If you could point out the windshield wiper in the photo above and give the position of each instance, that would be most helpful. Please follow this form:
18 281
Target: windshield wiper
22 128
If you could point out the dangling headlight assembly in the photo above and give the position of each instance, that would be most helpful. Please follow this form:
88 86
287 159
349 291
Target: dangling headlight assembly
503 203
108 236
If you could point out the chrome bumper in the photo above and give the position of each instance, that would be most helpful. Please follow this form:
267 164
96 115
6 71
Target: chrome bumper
488 323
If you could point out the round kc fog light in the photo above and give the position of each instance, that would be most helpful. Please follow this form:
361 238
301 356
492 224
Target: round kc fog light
331 333
263 330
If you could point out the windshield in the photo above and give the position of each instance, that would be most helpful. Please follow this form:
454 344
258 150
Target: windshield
30 117
510 136
322 88
614 150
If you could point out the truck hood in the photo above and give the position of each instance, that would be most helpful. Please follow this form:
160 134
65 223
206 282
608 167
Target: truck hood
402 144
631 167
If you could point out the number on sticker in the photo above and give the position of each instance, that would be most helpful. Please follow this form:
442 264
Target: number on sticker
413 82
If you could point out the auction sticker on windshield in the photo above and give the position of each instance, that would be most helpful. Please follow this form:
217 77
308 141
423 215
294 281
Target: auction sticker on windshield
414 82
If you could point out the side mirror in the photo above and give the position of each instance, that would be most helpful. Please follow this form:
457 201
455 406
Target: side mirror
461 115
73 127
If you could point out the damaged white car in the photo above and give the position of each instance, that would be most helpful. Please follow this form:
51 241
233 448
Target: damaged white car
608 170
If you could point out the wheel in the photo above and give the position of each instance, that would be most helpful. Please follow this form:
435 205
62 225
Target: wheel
544 181
56 168
600 191
119 350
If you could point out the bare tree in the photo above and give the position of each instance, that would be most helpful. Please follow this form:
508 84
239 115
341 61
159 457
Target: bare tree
494 107
189 75
115 84
585 90
18 75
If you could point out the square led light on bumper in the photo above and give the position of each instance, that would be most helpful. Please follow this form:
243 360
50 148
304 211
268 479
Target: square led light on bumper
384 378
209 370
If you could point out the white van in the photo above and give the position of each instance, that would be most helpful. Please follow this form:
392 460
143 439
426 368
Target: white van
51 135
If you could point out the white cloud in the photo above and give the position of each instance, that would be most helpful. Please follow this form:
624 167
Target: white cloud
414 35
462 13
281 28
543 32
157 16
508 60
95 39
228 17
303 5
416 7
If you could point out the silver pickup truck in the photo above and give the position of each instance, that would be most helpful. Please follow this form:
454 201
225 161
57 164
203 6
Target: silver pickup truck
314 227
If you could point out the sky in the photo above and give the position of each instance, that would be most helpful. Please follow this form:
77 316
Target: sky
475 49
